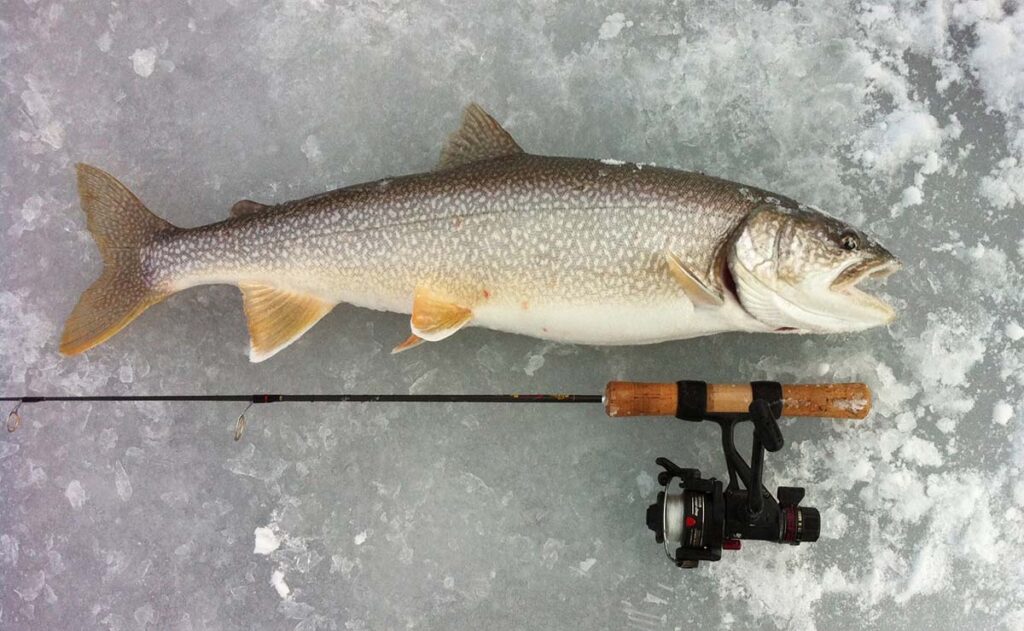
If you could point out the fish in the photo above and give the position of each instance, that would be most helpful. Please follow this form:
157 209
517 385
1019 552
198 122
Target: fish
573 250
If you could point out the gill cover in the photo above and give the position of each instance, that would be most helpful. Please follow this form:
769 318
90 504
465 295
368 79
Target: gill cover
797 269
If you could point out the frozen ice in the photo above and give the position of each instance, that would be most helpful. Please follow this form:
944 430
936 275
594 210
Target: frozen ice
122 482
143 61
613 25
1002 412
1014 331
75 494
266 541
277 580
311 149
906 118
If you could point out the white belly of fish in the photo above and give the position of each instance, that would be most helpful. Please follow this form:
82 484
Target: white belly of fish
612 324
615 324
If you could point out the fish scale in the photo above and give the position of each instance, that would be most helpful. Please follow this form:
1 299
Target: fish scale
567 249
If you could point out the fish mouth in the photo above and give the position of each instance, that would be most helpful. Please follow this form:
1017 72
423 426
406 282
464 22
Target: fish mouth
846 284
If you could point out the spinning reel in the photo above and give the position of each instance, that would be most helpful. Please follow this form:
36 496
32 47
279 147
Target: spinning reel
694 517
698 518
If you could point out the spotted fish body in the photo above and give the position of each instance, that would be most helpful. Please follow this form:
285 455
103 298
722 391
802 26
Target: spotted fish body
566 249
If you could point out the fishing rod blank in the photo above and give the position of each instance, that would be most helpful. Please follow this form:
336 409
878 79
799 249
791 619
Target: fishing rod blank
620 399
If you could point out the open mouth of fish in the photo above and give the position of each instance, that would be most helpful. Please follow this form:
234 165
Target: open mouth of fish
848 281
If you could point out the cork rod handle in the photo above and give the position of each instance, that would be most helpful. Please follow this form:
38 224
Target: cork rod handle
831 400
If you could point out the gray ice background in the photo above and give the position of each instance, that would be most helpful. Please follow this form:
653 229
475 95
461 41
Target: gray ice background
904 118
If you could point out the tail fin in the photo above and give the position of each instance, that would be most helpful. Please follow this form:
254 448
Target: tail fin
121 225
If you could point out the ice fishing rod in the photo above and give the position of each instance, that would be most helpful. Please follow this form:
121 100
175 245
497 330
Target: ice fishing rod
695 518
620 398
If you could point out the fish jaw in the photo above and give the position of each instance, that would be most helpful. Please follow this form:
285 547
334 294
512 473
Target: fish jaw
816 304
846 285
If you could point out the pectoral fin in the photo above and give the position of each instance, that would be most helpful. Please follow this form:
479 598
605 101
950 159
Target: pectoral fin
411 342
434 318
696 290
246 207
278 317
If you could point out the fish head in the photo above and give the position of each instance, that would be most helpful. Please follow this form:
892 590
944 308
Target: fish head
797 270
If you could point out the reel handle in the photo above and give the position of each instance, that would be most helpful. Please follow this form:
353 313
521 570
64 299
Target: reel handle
830 400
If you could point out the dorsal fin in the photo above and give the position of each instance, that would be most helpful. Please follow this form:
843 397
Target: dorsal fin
245 207
479 137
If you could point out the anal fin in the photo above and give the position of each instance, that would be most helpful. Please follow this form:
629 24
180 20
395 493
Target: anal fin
697 291
246 207
278 317
434 318
410 342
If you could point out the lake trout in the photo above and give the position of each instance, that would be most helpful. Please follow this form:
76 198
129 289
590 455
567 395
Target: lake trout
566 249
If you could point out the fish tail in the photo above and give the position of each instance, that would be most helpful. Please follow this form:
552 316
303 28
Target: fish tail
121 226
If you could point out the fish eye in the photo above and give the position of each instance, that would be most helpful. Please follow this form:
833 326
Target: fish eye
849 241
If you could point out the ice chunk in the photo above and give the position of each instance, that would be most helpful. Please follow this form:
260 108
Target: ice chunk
535 363
900 138
277 580
143 61
122 482
613 25
1002 413
266 540
145 615
311 149
126 374
75 494
921 452
912 196
48 129
8 550
249 463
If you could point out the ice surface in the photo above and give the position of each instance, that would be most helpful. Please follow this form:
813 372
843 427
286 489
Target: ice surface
905 117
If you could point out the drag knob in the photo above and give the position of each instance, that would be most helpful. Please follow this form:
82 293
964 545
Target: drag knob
809 524
800 524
